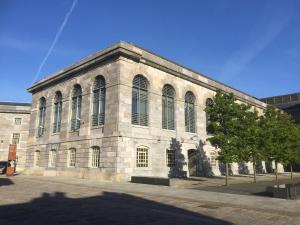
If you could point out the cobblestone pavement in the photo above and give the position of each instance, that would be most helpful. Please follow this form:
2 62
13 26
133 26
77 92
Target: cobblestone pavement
57 200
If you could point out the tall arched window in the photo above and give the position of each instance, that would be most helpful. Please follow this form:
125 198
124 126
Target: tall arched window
209 103
98 101
140 101
76 107
168 118
42 115
190 119
57 112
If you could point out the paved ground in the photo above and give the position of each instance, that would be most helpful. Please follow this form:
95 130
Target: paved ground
46 200
242 185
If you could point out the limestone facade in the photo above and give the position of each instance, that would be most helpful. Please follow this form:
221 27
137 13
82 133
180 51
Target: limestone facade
118 139
14 125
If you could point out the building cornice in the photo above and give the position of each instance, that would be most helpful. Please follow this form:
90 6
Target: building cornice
146 57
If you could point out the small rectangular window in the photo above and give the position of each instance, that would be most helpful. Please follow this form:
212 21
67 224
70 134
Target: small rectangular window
52 158
72 158
142 157
170 158
18 121
16 138
95 159
213 161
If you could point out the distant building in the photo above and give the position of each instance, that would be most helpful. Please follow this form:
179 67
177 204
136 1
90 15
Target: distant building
14 129
289 103
121 112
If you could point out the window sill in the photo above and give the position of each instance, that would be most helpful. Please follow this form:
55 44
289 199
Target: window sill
55 134
139 126
167 130
143 168
97 127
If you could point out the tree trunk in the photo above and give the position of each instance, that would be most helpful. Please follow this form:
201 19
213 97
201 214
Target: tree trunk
226 178
291 167
276 173
254 171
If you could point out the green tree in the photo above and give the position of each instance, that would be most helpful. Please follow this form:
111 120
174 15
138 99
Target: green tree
223 124
275 135
292 148
249 131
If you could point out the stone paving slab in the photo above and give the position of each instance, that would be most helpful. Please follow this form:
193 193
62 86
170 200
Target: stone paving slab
77 201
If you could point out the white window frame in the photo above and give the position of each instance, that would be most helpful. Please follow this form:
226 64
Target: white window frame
94 159
52 158
142 157
37 158
70 154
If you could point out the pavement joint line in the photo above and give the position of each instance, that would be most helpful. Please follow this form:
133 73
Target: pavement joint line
145 193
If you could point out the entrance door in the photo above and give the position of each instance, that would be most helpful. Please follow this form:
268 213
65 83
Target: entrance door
192 162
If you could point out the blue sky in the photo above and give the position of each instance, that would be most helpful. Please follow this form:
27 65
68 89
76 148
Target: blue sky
251 45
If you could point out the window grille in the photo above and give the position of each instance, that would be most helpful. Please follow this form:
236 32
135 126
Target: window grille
36 160
142 157
57 112
170 158
168 117
52 158
18 121
190 123
76 108
98 101
72 157
16 138
140 101
95 158
42 115
213 161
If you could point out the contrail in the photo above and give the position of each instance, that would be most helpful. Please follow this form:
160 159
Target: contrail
60 30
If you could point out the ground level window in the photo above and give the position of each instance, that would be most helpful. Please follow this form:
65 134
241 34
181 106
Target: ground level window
16 138
170 157
36 160
52 158
213 161
72 157
142 157
95 157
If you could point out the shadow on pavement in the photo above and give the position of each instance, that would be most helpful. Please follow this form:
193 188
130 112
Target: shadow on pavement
5 181
106 209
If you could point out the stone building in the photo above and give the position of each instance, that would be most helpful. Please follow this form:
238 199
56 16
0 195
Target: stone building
120 112
14 125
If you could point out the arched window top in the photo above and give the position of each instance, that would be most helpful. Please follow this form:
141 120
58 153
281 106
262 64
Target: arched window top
58 97
209 102
190 97
77 90
99 83
168 91
140 82
42 102
143 146
95 147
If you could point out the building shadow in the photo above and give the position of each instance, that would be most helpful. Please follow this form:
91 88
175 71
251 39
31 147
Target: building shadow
5 181
176 171
222 169
243 168
204 167
106 209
